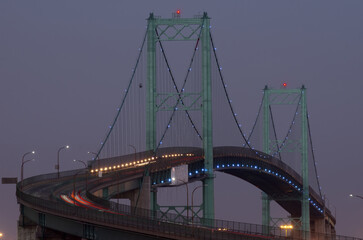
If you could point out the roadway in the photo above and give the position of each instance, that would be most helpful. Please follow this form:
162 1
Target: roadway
56 198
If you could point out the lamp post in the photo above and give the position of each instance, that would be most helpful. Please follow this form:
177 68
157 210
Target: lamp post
85 165
353 195
22 170
186 185
60 149
193 200
22 164
134 151
89 152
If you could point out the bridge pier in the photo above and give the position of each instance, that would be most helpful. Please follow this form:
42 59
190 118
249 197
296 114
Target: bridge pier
27 230
322 226
140 197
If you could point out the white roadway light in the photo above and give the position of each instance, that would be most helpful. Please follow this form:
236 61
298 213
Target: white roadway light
33 152
351 195
67 146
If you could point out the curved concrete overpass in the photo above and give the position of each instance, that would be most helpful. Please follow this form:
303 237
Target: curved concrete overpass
40 196
271 175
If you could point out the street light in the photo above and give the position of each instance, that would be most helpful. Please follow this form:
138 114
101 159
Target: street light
57 166
193 199
186 185
22 163
353 195
22 170
134 151
1 235
76 160
85 165
22 159
89 152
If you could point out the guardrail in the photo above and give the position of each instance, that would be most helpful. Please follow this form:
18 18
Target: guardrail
248 229
155 222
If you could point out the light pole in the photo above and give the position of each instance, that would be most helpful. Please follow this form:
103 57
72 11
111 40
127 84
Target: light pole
22 170
89 152
85 165
134 151
22 164
186 185
353 195
193 200
60 149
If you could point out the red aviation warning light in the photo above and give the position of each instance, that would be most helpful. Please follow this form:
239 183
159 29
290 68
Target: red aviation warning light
284 85
176 14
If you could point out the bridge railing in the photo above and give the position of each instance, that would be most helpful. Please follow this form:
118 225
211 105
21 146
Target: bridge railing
246 229
148 222
127 222
157 218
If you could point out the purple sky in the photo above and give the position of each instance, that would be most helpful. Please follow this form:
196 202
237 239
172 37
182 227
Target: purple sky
63 65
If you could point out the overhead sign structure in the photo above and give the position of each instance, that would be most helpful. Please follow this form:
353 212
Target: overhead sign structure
179 175
8 180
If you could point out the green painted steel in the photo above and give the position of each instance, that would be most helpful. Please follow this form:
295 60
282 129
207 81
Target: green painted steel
208 186
265 212
266 149
288 97
305 166
178 29
151 93
153 200
165 105
105 194
151 85
181 29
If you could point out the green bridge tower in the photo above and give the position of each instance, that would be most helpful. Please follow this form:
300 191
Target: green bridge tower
184 29
288 97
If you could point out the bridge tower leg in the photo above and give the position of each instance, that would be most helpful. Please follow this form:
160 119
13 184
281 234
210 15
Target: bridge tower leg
305 211
151 96
208 186
266 149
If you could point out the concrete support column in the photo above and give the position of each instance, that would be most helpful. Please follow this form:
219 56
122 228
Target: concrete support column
145 192
27 231
318 225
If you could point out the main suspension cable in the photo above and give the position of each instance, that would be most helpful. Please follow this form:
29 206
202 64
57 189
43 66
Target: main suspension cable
226 93
124 98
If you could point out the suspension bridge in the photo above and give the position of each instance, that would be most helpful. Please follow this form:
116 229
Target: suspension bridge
170 130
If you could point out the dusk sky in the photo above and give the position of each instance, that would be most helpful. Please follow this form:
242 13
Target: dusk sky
64 65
